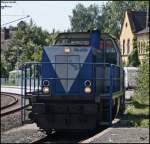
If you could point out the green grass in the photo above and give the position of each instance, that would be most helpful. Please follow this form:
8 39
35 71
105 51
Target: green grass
8 84
137 112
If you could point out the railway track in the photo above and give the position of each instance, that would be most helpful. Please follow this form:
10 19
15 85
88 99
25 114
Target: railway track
67 137
14 106
13 102
70 137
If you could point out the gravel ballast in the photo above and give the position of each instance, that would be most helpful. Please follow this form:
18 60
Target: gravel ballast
11 121
24 134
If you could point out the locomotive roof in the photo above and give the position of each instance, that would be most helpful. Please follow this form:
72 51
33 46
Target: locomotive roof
81 34
74 35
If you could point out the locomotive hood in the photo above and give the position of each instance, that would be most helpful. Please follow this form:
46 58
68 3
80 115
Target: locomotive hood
65 61
69 61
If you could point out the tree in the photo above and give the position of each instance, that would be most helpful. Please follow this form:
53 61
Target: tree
133 59
109 20
84 19
53 36
3 65
25 45
143 77
113 14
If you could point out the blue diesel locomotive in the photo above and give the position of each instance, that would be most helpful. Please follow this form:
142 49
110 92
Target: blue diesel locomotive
78 85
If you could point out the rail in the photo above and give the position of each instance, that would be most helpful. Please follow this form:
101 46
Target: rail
12 108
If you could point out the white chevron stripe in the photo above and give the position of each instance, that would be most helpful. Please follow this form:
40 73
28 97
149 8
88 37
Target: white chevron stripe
77 54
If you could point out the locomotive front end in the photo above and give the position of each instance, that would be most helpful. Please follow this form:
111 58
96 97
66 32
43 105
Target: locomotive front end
78 91
67 93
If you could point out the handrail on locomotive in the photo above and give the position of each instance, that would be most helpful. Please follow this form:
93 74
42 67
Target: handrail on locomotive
29 73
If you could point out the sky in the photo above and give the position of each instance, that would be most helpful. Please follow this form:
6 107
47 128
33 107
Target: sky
47 14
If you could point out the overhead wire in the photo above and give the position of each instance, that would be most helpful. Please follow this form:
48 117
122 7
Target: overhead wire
25 11
15 15
15 20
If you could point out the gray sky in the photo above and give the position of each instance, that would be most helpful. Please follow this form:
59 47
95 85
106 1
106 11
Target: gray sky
47 14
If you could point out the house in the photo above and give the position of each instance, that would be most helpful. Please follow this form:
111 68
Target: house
135 26
143 43
6 35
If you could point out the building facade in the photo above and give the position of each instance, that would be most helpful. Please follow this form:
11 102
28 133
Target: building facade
143 43
135 26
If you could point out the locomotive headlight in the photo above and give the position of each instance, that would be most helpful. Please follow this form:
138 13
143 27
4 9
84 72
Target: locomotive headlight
46 90
87 90
67 50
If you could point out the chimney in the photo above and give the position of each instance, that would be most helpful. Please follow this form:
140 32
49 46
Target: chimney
6 33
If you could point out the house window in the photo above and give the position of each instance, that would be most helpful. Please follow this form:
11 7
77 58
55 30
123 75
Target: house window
147 46
139 47
128 46
123 47
144 47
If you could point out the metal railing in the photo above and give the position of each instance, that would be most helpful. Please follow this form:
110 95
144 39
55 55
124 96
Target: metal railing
106 79
106 76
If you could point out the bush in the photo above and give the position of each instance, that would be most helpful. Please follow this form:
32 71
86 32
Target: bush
133 59
143 80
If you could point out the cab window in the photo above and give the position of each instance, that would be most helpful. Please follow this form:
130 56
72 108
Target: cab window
110 52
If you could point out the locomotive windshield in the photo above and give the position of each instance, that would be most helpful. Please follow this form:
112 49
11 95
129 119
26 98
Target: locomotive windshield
80 39
110 52
107 51
71 41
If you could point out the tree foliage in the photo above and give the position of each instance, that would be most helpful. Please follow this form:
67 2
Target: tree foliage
143 77
3 64
133 58
26 45
28 40
113 14
109 18
84 19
